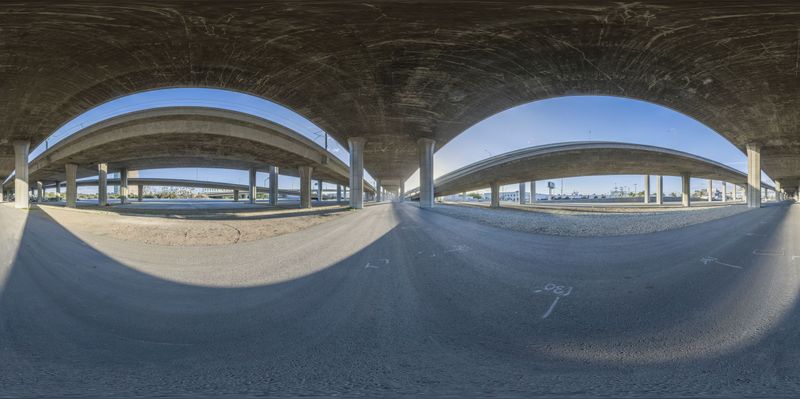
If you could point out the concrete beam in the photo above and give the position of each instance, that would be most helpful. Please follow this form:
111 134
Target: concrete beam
71 170
21 150
305 186
273 185
753 175
686 195
356 146
102 184
495 195
425 148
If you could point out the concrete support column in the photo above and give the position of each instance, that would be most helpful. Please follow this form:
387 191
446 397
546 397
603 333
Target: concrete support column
522 193
21 149
533 191
495 188
273 185
58 190
123 186
710 190
2 194
646 189
753 176
378 191
724 191
685 190
356 146
319 190
140 192
305 186
778 193
252 189
402 192
235 195
72 185
102 184
39 191
338 193
425 149
659 190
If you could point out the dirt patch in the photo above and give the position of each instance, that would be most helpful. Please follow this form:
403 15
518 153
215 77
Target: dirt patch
169 230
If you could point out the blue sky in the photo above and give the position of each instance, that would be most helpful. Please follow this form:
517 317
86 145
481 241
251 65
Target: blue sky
542 122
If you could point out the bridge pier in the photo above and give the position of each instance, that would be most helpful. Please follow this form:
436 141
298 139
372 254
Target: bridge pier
425 149
21 149
686 199
273 185
356 145
319 190
495 195
710 190
123 186
305 186
753 175
252 186
659 190
724 191
338 193
102 184
533 191
235 195
72 185
521 194
646 189
140 193
39 192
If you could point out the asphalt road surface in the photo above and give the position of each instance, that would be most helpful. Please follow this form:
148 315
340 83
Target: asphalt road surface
395 300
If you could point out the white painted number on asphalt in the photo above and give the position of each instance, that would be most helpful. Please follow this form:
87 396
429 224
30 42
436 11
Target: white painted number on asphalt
709 259
377 262
557 290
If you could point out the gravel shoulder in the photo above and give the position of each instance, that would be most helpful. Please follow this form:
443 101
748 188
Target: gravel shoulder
563 222
199 230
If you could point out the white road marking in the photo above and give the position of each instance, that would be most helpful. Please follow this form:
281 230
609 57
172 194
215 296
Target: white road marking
795 257
767 253
755 235
377 261
558 291
552 306
710 259
457 248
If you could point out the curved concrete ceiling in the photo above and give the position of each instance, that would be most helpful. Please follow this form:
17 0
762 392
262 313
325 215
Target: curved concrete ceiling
186 137
575 159
398 71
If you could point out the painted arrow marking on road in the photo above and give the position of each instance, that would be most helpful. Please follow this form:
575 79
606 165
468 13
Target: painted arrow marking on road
377 262
710 259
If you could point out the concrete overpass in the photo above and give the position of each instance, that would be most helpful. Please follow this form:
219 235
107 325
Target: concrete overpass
400 88
186 137
232 189
575 159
